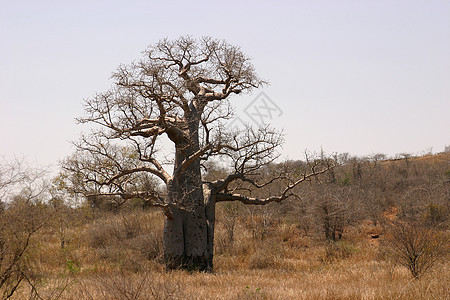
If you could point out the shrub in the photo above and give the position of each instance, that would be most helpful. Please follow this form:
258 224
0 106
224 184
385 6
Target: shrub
435 215
262 260
19 225
150 245
135 236
336 251
414 246
126 285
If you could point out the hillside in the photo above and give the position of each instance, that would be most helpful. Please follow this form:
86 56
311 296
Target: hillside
336 241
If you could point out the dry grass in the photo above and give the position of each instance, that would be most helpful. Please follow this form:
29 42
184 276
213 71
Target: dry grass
345 280
284 265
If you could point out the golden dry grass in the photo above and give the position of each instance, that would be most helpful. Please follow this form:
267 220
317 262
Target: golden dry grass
285 265
347 280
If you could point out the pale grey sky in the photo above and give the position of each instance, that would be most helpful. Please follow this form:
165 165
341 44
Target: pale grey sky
349 76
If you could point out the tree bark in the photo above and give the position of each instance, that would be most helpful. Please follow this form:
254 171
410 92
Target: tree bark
189 226
185 240
189 236
210 213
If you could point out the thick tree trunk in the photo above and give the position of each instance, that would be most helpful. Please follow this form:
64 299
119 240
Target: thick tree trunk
189 227
189 236
185 240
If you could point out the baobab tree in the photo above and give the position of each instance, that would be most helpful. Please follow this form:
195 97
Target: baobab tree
177 95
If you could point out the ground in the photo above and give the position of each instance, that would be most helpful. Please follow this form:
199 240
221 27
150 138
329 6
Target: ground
285 264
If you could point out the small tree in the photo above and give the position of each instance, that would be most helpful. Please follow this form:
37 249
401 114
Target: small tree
178 94
21 216
229 219
414 246
335 209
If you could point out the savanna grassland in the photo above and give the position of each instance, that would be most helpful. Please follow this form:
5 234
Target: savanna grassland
338 240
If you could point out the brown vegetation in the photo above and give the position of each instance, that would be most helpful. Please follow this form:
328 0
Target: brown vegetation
279 251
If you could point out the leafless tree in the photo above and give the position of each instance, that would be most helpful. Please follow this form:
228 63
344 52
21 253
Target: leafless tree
11 174
333 208
414 246
21 216
229 219
178 94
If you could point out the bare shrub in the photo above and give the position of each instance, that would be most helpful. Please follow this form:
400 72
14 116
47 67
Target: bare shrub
228 217
261 221
104 233
302 213
124 285
22 215
262 260
435 216
136 232
336 251
120 286
252 293
414 246
150 245
221 241
132 226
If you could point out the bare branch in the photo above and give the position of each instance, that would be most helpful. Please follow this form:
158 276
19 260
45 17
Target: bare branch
286 193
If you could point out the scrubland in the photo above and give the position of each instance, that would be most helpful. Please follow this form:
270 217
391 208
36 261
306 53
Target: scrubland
273 252
114 258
